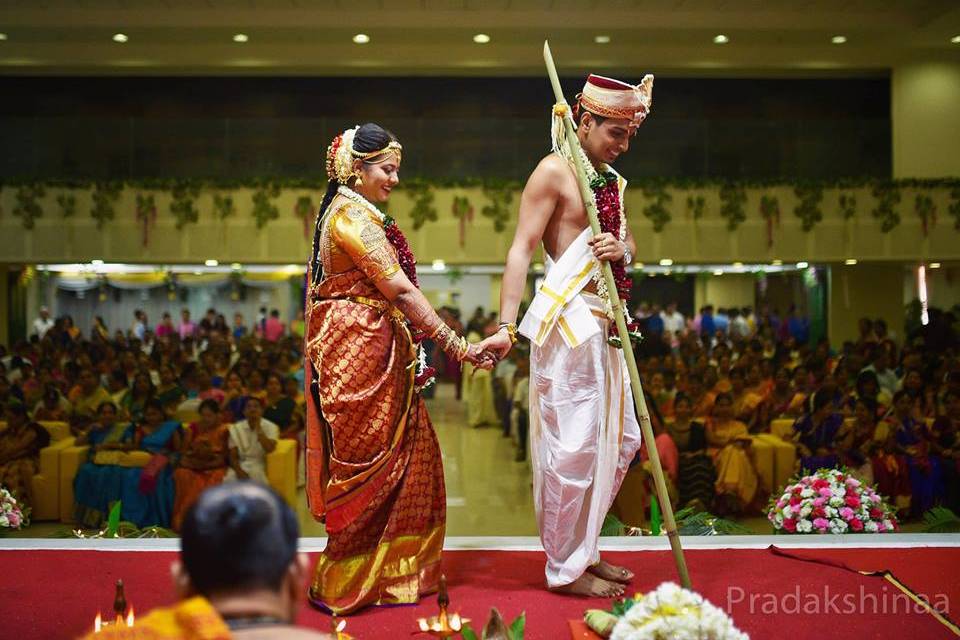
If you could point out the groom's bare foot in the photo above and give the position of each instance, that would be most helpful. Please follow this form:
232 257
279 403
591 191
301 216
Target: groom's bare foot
610 572
591 586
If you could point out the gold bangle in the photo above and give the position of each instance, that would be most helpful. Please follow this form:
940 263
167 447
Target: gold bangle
511 331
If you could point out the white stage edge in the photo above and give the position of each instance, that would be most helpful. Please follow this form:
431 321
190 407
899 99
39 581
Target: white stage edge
648 543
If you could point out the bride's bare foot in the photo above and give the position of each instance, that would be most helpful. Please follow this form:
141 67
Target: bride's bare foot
591 586
607 571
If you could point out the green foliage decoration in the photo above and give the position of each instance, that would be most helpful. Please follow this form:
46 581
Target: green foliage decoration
808 209
263 209
105 196
888 197
656 211
184 205
27 207
498 210
733 197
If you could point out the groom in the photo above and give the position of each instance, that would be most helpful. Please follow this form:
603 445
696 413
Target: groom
583 430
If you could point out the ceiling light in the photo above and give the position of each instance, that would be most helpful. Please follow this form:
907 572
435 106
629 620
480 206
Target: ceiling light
666 262
838 39
601 39
439 265
361 38
240 37
97 263
850 262
720 39
481 38
638 265
802 265
718 272
955 39
196 273
738 265
211 262
934 265
120 37
236 266
3 36
777 263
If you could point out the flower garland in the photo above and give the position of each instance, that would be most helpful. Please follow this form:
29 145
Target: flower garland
606 197
426 375
605 189
669 611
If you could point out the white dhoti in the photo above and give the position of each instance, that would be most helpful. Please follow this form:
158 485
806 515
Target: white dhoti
583 430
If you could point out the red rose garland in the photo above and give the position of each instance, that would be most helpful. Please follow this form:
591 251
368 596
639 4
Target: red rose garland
426 375
404 255
608 212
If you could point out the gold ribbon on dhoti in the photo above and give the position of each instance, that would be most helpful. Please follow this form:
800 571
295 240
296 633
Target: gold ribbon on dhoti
558 303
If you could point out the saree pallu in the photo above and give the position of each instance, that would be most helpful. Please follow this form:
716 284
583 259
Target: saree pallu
374 473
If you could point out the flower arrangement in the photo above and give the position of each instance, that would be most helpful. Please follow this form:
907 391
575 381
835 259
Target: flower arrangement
669 611
831 501
11 513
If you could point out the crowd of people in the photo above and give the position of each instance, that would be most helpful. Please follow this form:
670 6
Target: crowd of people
207 402
889 412
203 402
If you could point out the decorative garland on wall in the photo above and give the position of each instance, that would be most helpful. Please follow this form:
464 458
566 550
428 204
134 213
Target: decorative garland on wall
696 206
183 206
500 208
770 211
808 210
27 209
263 209
68 205
954 208
888 197
657 211
423 210
733 197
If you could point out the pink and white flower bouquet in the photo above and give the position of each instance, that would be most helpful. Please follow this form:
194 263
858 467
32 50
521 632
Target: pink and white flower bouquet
11 514
831 501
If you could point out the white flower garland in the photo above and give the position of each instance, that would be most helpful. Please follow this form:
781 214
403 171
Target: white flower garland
671 611
563 150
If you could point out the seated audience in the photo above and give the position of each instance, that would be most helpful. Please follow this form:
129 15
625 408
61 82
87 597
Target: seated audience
203 459
20 445
250 441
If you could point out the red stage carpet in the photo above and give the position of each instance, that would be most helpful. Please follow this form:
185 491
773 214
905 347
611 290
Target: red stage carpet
55 594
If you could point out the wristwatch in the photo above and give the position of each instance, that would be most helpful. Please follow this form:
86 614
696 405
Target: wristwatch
627 256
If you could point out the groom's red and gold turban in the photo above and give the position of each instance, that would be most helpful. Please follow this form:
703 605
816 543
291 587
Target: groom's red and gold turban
611 98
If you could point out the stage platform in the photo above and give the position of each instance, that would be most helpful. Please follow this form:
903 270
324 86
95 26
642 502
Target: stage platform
793 587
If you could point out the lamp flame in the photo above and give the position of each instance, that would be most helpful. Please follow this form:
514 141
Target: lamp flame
341 625
97 623
422 622
455 623
130 617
